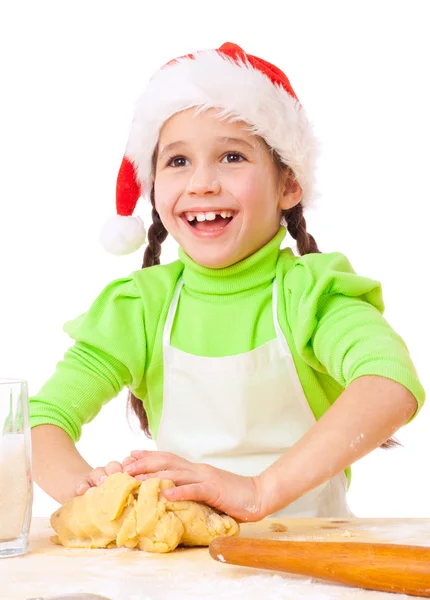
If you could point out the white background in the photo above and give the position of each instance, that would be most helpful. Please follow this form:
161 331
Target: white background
70 74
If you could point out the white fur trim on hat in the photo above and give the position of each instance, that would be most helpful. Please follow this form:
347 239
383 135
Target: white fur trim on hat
240 91
122 235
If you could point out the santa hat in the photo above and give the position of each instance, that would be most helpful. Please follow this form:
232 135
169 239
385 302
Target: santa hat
241 86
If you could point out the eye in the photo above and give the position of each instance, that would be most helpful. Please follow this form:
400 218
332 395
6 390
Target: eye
232 157
177 161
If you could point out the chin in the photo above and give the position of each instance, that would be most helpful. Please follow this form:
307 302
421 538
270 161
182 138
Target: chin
212 262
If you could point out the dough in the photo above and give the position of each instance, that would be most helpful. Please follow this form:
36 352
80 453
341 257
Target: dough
278 527
124 511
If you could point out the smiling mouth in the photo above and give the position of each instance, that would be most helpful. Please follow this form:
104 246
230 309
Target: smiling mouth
208 221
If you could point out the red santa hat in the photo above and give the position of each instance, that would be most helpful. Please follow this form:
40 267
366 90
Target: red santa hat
241 86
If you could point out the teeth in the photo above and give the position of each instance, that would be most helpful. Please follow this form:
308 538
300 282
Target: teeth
208 216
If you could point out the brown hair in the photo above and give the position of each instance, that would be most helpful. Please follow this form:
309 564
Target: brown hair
295 223
157 233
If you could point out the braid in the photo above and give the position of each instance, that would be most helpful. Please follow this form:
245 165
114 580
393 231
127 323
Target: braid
296 225
391 443
306 244
157 233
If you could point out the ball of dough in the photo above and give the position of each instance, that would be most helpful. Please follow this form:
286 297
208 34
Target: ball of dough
124 511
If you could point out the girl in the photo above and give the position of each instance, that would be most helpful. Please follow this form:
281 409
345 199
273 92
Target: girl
261 375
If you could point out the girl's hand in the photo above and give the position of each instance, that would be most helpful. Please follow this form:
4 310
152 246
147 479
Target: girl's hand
96 477
235 495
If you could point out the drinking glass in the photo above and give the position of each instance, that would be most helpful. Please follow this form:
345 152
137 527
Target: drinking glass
16 486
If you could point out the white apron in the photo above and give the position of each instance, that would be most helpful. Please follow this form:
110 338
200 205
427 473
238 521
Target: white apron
241 413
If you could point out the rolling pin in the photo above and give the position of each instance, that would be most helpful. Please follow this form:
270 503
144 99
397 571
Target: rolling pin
383 567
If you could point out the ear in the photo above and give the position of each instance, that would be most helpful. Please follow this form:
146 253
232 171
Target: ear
291 193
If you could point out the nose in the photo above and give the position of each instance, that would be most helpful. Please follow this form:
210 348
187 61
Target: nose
203 181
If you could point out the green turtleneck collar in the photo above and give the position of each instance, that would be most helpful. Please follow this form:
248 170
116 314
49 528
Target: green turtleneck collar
254 271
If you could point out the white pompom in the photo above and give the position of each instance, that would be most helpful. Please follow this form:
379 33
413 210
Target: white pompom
122 235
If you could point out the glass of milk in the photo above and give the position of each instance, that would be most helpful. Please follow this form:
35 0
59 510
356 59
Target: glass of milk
16 487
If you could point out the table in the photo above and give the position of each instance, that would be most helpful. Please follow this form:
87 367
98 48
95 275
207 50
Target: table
123 574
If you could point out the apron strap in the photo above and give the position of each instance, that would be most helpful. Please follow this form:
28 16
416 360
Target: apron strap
171 314
279 333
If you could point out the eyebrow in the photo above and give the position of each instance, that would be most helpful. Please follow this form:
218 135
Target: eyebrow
233 140
225 140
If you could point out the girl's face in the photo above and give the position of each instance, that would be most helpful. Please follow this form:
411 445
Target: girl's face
217 189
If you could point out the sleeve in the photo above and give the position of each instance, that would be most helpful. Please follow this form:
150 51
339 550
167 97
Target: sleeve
108 354
336 320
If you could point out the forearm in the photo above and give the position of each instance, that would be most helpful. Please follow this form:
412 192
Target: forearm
365 415
57 464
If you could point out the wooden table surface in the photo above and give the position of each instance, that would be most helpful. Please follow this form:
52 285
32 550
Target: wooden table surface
122 574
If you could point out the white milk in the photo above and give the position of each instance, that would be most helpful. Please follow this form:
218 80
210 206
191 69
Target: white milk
14 485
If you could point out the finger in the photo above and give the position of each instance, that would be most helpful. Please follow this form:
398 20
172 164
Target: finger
138 453
97 476
153 462
128 461
198 492
149 453
178 477
113 467
81 487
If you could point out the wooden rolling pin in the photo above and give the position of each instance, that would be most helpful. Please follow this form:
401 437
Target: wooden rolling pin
382 567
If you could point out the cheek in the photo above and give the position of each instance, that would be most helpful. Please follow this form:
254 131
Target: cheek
165 196
255 192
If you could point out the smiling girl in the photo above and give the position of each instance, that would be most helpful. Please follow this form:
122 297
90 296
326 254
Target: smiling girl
261 375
